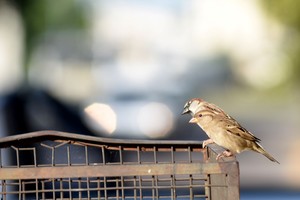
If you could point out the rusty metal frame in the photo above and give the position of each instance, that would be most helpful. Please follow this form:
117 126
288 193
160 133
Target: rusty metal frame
59 165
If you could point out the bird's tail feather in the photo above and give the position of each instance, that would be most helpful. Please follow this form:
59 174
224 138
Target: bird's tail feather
261 150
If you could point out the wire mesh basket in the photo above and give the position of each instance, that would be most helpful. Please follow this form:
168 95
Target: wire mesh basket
57 165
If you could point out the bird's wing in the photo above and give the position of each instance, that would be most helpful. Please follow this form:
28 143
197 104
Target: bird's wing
233 127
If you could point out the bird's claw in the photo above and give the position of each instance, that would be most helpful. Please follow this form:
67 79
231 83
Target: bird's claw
226 153
207 142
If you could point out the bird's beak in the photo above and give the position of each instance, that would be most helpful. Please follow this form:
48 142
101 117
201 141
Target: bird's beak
185 111
193 120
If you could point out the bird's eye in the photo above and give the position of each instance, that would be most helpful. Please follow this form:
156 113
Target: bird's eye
200 115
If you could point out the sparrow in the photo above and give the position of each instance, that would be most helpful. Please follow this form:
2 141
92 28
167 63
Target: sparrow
196 104
224 130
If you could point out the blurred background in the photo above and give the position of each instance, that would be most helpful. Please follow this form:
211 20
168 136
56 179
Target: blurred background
124 69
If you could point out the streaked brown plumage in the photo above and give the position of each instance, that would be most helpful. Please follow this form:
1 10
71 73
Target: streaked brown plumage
196 104
226 131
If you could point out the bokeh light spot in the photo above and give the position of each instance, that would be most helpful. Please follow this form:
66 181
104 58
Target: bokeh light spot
155 120
101 117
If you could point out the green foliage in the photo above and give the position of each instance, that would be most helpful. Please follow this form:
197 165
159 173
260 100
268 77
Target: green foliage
40 16
287 13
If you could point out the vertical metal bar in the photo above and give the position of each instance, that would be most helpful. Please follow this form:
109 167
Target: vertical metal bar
53 156
189 154
153 187
191 187
1 164
23 190
172 154
140 187
68 155
207 187
88 188
98 188
34 157
20 189
154 154
138 154
36 189
70 188
61 188
4 189
122 186
86 155
103 155
53 188
156 187
173 188
79 189
117 188
43 189
17 155
120 153
134 185
105 188
207 153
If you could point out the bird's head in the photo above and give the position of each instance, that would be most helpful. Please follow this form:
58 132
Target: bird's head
192 106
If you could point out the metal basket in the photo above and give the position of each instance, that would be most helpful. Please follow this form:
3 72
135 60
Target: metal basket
58 165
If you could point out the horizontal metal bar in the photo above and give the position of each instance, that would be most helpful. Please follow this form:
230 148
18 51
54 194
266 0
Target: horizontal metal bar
85 139
112 170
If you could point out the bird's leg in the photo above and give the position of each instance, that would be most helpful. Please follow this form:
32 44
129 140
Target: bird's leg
206 142
226 153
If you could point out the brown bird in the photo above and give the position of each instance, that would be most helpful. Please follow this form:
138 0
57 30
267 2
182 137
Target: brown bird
224 130
196 104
